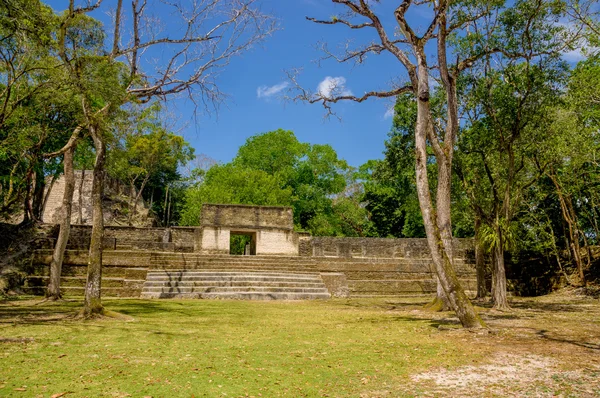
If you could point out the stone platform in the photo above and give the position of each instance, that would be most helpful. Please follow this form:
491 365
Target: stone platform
132 273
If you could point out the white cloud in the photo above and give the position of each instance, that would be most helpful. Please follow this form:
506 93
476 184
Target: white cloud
267 92
573 56
333 86
389 113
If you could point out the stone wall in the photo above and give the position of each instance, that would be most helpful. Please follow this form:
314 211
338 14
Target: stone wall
55 194
245 217
116 201
125 238
373 247
215 240
277 242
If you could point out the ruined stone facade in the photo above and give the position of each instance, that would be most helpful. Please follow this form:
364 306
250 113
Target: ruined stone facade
116 200
83 191
271 228
348 267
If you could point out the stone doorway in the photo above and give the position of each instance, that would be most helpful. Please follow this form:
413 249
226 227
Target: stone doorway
242 243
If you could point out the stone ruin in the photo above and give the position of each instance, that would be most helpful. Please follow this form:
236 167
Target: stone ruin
195 262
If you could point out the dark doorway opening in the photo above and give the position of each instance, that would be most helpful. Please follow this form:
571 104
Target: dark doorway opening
242 243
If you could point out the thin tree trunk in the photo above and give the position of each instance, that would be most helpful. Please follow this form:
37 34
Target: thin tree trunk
27 210
576 236
165 207
570 219
38 194
93 302
53 292
138 196
169 210
443 265
80 199
479 261
499 294
131 204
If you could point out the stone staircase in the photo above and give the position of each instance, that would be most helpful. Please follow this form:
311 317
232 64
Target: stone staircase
242 285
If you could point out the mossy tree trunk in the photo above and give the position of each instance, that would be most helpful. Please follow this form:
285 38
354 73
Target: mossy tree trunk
499 291
80 199
439 246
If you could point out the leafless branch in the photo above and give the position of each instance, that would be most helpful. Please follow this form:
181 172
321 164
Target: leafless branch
335 94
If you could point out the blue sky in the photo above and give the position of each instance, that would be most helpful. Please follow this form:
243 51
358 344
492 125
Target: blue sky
251 78
253 82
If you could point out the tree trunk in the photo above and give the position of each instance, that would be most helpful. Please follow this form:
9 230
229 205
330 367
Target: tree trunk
499 295
131 205
479 261
53 292
138 196
442 261
38 194
444 223
570 218
93 302
165 207
80 199
27 210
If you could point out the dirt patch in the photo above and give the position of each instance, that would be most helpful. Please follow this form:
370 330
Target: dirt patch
511 375
545 347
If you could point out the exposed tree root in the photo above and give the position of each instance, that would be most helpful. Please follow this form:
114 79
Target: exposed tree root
103 314
51 300
436 305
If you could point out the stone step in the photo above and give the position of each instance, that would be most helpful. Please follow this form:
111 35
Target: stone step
232 289
80 281
241 296
74 291
226 266
204 283
232 279
229 274
273 285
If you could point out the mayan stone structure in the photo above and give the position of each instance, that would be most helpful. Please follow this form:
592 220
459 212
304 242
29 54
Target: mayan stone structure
271 228
195 261
83 194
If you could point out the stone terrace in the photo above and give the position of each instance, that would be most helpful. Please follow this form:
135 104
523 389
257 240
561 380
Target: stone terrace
194 262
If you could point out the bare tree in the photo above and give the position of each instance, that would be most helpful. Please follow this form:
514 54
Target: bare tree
408 47
168 48
425 54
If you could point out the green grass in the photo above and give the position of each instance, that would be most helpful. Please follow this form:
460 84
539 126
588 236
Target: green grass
220 348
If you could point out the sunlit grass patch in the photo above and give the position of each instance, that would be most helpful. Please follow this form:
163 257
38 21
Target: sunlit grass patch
336 348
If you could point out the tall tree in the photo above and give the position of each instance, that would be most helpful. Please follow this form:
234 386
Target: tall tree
146 153
509 100
279 170
420 52
214 32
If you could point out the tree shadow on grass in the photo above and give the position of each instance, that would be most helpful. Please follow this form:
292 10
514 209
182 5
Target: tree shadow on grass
547 307
545 334
38 312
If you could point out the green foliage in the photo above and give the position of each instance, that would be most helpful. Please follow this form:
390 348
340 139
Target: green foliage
390 192
274 168
232 184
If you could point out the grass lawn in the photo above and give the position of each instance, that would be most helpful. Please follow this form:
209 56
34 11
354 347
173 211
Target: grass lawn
337 348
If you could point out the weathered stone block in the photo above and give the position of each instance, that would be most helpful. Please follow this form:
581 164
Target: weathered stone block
336 283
